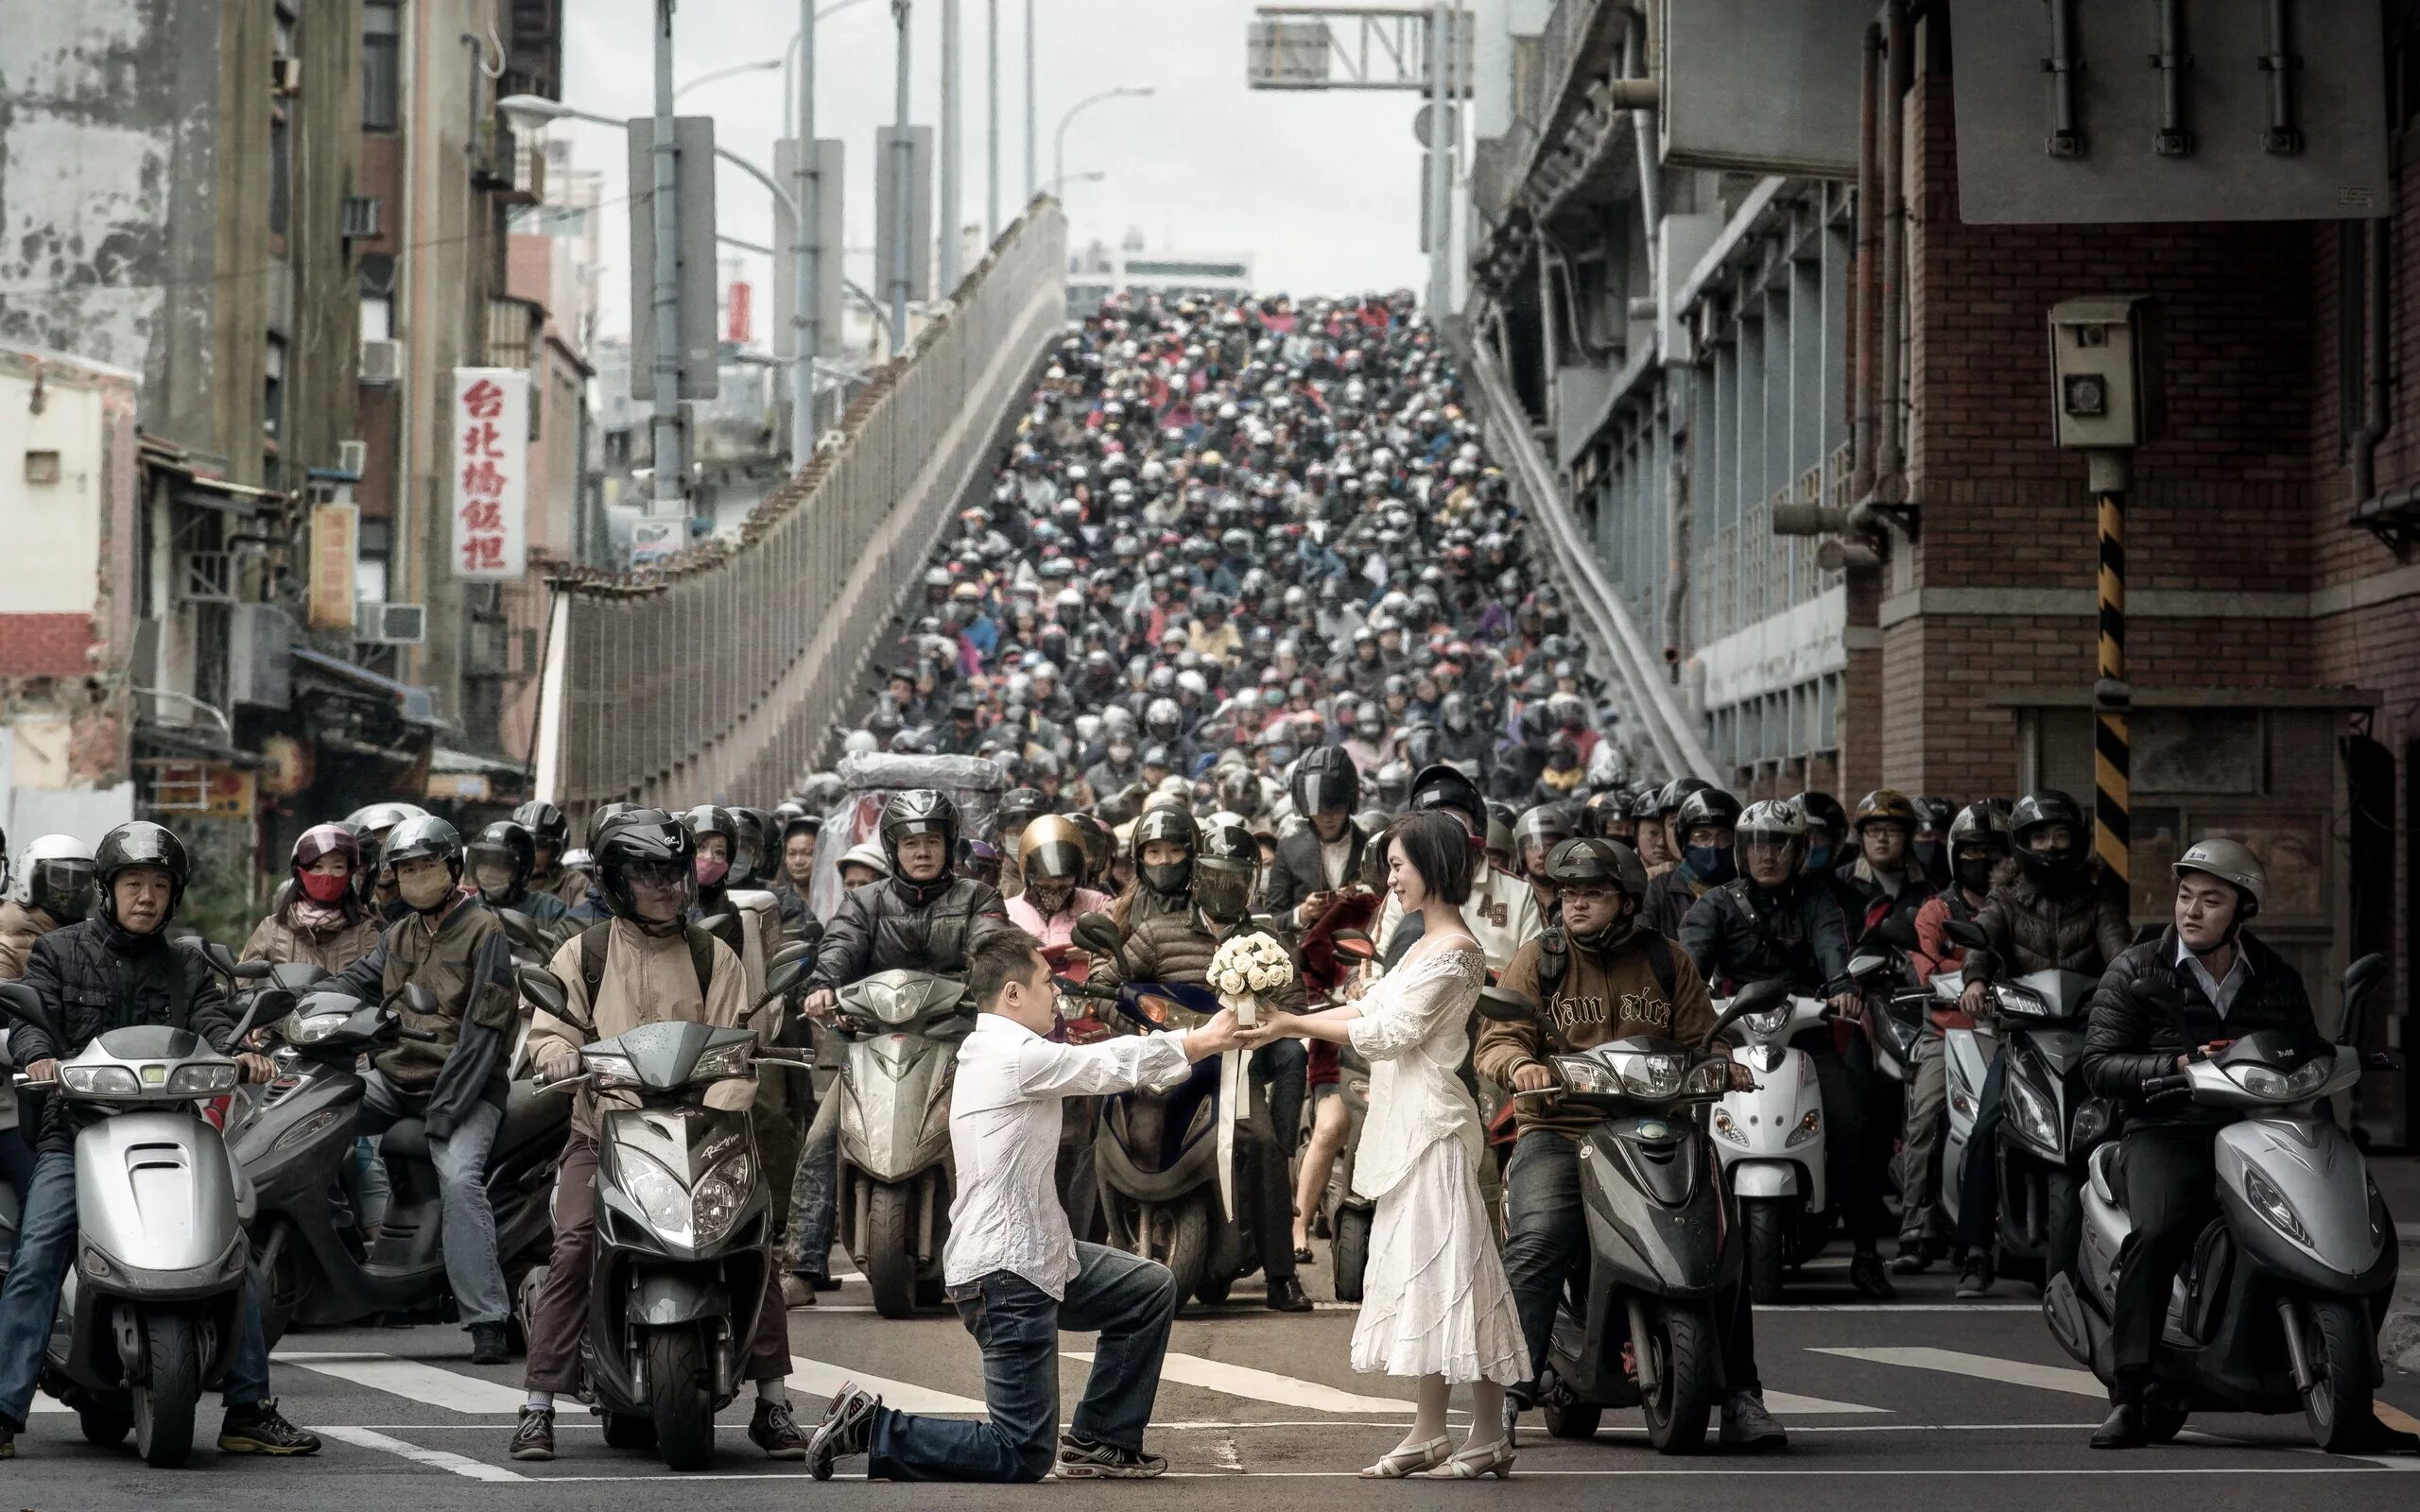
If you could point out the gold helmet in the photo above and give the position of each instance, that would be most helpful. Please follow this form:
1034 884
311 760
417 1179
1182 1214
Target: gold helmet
1052 850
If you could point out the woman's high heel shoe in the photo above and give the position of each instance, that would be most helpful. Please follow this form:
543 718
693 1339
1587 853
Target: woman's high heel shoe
1411 1459
1479 1459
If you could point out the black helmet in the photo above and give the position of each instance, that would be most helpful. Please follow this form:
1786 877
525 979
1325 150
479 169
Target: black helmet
2038 811
710 819
1602 810
1019 807
1445 786
1595 859
913 812
139 843
377 817
1824 811
1667 798
546 824
1224 868
1167 822
604 815
510 846
645 838
427 835
751 847
1422 746
1775 821
1984 824
1707 805
1325 777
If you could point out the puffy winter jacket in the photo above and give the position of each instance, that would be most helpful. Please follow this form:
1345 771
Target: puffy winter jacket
282 939
19 926
95 977
2128 1043
1175 947
2031 930
1743 932
883 928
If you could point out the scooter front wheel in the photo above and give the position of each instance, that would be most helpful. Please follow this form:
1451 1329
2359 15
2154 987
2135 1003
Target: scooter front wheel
1349 1254
1681 1346
891 1250
2335 1336
164 1404
1768 1234
681 1397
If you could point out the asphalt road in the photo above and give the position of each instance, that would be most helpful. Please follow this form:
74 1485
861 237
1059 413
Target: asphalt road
1896 1403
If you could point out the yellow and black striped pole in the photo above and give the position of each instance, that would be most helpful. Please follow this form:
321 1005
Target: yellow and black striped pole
2112 792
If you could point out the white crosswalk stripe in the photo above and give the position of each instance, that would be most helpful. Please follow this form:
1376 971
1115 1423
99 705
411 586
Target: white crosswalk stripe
1790 1403
810 1379
1980 1366
417 1380
1266 1385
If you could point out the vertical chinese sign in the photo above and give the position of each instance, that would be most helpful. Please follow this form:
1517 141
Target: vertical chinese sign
335 534
491 472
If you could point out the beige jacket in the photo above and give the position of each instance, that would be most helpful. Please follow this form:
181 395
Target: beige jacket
20 927
648 979
276 940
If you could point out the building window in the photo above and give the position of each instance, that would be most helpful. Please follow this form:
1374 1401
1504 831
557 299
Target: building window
371 553
281 171
377 317
381 67
273 391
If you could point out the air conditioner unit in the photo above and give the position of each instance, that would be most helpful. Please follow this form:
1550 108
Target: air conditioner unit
381 362
353 456
360 218
390 624
285 76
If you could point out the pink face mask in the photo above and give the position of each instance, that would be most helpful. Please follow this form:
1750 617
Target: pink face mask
711 870
325 887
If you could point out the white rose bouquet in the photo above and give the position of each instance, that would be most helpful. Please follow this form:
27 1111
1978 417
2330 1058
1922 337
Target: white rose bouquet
1245 967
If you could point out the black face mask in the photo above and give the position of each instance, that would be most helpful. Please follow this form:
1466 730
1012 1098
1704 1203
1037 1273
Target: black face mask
1975 872
1927 855
1170 878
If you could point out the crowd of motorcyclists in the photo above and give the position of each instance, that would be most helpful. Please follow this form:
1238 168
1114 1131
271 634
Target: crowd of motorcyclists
1245 589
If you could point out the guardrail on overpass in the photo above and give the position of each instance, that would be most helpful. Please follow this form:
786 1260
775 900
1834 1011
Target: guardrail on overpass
1676 736
717 678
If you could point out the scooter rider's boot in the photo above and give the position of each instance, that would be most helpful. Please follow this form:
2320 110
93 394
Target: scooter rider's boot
258 1428
2124 1427
1286 1296
490 1345
775 1431
1977 1277
1746 1424
1867 1275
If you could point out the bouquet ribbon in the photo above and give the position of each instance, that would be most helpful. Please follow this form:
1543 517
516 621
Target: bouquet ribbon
1235 1096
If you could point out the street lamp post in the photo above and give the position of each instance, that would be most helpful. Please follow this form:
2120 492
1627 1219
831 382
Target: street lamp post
950 116
807 249
1059 140
903 163
1031 183
992 122
761 65
667 492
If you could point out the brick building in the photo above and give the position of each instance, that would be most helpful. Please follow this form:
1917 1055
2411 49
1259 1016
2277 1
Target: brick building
1843 562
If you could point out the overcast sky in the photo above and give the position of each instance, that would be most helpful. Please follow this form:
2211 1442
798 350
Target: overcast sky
1321 189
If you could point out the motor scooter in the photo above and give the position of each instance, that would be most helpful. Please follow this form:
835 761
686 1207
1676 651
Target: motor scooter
683 1234
1771 1139
901 1031
1664 1232
2278 1306
148 1316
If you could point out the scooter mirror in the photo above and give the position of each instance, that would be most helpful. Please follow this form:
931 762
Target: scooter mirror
214 955
24 1005
543 987
2361 979
1502 1007
1966 935
783 976
254 971
1098 934
1864 965
809 934
1354 945
801 950
1897 933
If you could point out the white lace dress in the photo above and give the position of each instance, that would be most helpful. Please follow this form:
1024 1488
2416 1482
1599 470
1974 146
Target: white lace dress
1434 1298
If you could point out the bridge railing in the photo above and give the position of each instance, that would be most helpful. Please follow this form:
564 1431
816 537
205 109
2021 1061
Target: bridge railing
718 677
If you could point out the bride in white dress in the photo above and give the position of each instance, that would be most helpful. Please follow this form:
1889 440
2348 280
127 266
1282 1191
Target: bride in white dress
1435 1305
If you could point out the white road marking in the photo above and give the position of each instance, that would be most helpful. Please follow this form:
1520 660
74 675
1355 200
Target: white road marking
42 1403
1776 1472
1789 1402
434 1458
1265 1385
415 1379
1898 1307
812 1379
1980 1367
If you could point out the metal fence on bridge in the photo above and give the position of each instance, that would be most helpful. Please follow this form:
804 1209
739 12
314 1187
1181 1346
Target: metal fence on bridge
717 678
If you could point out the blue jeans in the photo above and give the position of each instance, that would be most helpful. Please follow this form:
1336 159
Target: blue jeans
461 1159
1131 1301
45 1247
811 1198
1978 1187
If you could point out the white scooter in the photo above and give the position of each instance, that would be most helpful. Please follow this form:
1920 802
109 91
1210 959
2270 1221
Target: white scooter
1771 1139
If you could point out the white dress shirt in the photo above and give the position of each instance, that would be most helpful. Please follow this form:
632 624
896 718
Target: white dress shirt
2222 995
1004 1120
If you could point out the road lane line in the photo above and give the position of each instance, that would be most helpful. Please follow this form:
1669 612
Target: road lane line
1897 1307
415 1379
434 1458
820 1378
1791 1402
1265 1385
1980 1366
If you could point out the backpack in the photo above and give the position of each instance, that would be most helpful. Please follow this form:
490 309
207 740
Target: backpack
1554 961
593 940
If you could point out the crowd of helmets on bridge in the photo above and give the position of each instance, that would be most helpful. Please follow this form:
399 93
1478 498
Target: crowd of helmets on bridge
1245 590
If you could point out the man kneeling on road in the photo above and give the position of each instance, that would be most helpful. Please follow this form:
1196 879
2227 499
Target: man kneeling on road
1013 1265
648 966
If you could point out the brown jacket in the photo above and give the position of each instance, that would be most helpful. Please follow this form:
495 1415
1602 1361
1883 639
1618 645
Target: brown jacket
648 979
277 938
20 927
1603 996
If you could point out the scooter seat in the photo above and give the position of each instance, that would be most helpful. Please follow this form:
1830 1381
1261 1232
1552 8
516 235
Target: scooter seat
2109 1172
407 1140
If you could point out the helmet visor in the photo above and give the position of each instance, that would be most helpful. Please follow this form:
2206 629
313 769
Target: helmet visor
1222 889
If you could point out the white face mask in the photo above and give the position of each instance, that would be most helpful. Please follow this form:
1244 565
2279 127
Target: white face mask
424 889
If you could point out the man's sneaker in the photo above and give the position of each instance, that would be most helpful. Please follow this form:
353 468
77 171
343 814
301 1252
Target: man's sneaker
1079 1460
797 1292
1976 1277
1746 1424
488 1345
535 1437
259 1428
1867 1275
847 1428
1911 1258
776 1431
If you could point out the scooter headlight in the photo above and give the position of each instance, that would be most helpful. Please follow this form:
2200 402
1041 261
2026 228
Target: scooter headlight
2283 1087
1588 1076
609 1068
721 1195
1708 1079
2272 1205
2035 1119
1725 1128
202 1081
730 1060
658 1195
308 1029
101 1081
1808 1127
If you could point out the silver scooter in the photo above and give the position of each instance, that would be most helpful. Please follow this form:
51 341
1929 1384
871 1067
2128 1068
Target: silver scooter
902 1030
2278 1306
148 1316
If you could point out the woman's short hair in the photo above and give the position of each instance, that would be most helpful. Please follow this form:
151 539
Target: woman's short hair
1439 848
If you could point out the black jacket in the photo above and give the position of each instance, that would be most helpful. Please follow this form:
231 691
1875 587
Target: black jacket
1299 872
883 928
2126 1044
95 977
1743 932
1865 905
1669 898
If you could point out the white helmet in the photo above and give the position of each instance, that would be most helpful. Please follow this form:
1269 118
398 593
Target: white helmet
54 873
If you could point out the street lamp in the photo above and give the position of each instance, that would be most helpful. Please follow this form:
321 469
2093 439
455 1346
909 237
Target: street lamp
761 65
1096 176
1059 140
789 60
